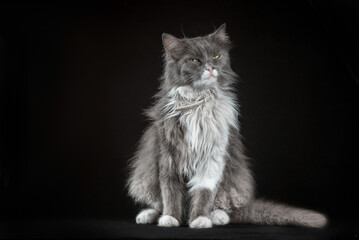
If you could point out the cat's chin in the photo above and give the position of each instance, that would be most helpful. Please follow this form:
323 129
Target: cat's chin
205 82
209 78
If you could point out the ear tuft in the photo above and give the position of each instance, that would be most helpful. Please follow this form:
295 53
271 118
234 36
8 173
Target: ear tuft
220 34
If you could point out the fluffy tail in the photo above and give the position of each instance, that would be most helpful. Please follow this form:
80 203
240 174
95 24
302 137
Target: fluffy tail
269 213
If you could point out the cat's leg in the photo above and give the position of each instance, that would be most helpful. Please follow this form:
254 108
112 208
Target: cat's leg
219 217
143 182
238 188
172 196
172 190
203 189
201 205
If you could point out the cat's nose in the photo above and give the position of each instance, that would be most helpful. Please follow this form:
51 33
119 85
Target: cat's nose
209 69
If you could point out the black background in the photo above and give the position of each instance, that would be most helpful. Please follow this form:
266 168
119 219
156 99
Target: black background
75 78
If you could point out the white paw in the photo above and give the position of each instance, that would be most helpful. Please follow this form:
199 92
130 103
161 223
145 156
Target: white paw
147 216
201 222
167 221
219 217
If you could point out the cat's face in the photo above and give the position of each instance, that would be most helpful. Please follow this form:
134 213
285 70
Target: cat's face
199 62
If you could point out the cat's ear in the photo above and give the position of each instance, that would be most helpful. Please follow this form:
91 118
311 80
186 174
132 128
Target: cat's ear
172 45
221 35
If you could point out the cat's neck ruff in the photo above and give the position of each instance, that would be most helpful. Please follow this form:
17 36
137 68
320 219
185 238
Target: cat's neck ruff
198 102
184 98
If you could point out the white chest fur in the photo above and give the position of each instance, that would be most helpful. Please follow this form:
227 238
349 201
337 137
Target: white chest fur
206 133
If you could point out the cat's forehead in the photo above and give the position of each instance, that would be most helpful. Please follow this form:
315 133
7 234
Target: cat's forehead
202 45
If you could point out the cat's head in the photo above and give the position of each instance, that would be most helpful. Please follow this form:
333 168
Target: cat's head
198 62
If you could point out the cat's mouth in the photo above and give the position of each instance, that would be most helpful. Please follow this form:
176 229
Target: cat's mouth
211 74
208 78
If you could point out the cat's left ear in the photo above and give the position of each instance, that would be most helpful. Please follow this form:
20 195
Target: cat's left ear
220 34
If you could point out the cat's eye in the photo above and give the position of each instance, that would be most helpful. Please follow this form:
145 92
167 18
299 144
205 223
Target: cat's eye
194 60
216 57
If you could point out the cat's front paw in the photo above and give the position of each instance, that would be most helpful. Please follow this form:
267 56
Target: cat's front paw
147 216
219 217
201 222
167 221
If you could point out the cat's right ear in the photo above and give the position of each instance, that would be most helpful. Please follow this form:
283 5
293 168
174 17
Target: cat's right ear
173 46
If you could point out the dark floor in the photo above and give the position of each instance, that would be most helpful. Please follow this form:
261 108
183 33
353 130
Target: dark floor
127 229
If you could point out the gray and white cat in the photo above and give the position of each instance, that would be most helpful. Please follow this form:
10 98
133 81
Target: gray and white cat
190 164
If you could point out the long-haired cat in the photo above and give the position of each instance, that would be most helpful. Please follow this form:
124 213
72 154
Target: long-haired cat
190 164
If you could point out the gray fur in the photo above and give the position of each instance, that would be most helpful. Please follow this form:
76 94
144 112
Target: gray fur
201 204
270 213
193 149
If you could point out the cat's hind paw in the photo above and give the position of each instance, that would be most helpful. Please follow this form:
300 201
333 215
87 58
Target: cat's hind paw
167 221
219 217
147 216
201 222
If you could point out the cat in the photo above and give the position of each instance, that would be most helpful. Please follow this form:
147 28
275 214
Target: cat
191 164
